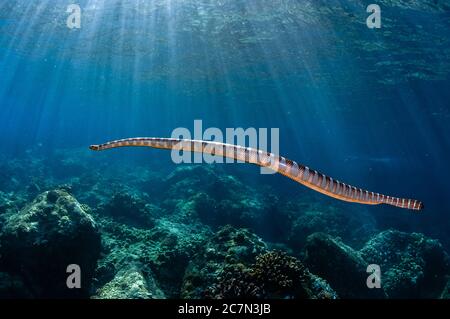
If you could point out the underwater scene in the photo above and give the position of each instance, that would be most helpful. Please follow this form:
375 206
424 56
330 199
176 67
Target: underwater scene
201 149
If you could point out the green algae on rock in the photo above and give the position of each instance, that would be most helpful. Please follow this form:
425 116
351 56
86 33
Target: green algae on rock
413 265
339 264
46 236
159 254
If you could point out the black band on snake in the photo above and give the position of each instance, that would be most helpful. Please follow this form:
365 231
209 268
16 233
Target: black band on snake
297 172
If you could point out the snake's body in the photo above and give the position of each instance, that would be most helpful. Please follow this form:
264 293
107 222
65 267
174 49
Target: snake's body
297 172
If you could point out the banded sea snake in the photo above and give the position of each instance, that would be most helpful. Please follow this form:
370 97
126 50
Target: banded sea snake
297 172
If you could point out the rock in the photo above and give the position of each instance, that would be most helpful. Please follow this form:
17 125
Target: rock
164 250
12 287
446 292
33 189
122 246
353 228
188 180
228 247
412 265
178 244
218 199
7 205
130 210
130 283
341 266
42 239
318 288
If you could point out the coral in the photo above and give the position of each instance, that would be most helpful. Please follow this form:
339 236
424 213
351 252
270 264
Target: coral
131 210
228 247
236 263
279 271
178 232
42 239
163 251
273 275
235 281
123 246
237 245
186 181
354 228
342 267
412 265
7 205
130 283
218 199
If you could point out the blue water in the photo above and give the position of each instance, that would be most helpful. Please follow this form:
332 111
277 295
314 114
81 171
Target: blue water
367 106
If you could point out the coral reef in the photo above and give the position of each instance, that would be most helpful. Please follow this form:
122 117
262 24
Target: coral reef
195 232
219 199
278 271
131 210
130 283
236 263
161 252
413 266
273 275
144 227
229 246
42 239
235 281
354 228
7 205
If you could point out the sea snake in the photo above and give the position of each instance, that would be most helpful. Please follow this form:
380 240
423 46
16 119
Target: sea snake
297 172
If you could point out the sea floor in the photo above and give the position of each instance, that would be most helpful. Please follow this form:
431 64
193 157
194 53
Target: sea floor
194 231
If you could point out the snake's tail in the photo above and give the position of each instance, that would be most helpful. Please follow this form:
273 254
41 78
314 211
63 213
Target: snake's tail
402 202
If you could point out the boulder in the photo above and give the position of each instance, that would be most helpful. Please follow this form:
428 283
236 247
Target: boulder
308 218
412 265
130 283
12 287
130 209
446 292
229 247
40 241
163 251
340 265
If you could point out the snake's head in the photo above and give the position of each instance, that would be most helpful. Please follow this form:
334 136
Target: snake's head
94 147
